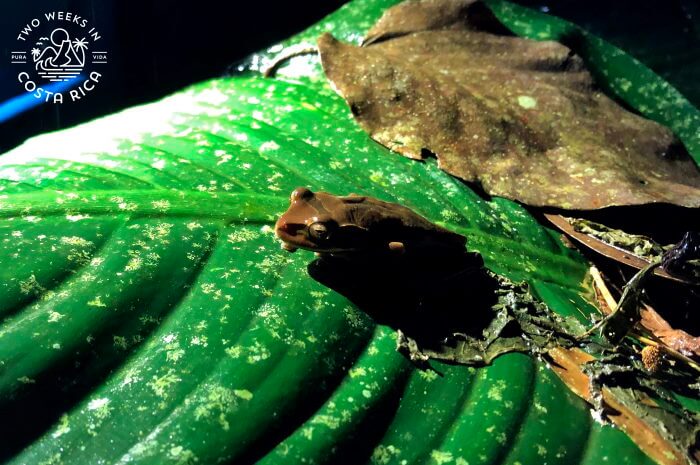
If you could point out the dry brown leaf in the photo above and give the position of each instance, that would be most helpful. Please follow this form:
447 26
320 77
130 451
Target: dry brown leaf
676 339
605 249
519 117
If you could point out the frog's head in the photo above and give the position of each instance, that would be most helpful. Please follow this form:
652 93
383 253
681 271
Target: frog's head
319 222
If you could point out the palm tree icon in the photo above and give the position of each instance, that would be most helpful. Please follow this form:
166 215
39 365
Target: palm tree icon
79 46
35 53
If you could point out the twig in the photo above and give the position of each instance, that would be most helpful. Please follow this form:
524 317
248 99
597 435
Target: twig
601 287
291 52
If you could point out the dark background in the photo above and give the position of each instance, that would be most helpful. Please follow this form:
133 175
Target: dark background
158 46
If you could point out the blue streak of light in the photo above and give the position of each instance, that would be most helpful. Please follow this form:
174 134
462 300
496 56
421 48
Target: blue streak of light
17 105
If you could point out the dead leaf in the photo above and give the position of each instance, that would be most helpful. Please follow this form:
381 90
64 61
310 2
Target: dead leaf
522 118
612 251
676 339
678 261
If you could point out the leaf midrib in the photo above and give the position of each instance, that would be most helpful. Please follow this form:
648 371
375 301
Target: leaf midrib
244 207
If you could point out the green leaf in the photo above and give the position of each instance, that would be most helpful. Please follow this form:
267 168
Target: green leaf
150 316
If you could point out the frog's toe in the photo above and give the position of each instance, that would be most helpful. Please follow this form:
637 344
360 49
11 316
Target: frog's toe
397 247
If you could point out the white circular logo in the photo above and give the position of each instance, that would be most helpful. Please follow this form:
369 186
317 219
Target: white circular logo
58 56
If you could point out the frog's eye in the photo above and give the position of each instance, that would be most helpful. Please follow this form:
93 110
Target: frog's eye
318 230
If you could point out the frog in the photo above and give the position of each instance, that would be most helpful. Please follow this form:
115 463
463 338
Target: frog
419 278
396 265
356 226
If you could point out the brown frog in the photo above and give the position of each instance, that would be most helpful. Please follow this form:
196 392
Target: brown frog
395 265
354 224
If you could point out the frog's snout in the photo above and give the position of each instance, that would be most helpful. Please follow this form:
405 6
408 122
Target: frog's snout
286 232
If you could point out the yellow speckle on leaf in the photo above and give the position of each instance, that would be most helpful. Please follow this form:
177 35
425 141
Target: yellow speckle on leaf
496 391
133 264
161 205
161 384
55 316
243 394
97 302
527 102
269 146
120 342
440 457
382 455
241 235
217 403
428 375
234 352
329 421
180 456
357 371
174 355
96 404
76 241
62 428
76 217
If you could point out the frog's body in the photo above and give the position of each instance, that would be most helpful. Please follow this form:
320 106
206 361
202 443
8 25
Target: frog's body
394 264
330 224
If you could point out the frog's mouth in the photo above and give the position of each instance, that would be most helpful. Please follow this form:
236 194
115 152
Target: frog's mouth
289 241
292 238
294 242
